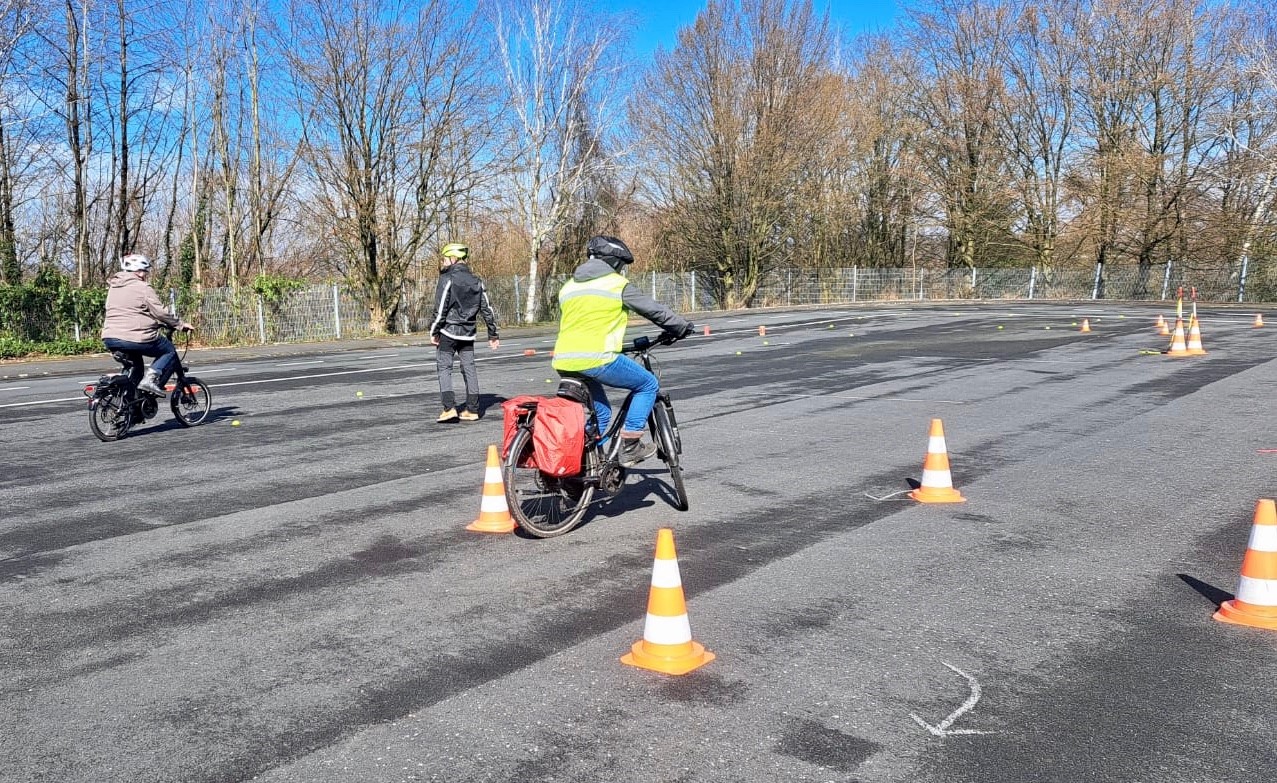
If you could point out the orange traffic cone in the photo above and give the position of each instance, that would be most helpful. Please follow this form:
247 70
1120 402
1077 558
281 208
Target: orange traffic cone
707 330
667 644
1086 325
1256 601
1259 320
937 482
1161 322
494 514
1194 347
1162 328
1178 346
762 331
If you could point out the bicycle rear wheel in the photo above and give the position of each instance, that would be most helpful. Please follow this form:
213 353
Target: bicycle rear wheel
191 403
543 505
668 448
110 416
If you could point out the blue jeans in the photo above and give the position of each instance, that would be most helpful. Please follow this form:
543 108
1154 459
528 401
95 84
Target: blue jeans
161 349
623 373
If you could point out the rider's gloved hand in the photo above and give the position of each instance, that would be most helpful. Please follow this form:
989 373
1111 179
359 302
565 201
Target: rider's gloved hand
185 327
688 331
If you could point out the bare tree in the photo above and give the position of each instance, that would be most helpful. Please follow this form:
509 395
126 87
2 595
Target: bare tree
15 24
733 117
364 72
559 90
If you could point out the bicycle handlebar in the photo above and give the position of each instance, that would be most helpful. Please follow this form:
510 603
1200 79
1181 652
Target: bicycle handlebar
645 343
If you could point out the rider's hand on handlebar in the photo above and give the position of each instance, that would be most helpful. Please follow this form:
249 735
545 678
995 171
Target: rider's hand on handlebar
691 328
185 327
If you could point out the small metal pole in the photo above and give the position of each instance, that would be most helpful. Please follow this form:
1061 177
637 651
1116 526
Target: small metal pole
1033 280
337 312
261 321
854 274
1166 281
1095 288
1241 282
518 312
693 305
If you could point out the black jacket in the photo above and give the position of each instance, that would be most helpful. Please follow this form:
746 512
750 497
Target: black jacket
460 299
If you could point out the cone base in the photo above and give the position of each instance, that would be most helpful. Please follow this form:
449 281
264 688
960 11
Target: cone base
1229 612
933 495
640 657
492 525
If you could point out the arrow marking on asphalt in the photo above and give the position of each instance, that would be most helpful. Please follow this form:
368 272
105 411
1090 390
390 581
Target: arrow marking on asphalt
942 729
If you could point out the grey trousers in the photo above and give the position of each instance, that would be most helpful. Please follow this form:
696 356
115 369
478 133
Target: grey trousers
449 349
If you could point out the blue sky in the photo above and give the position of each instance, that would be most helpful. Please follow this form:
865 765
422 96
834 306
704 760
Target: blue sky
659 20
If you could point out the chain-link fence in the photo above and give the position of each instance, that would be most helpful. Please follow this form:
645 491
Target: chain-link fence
326 312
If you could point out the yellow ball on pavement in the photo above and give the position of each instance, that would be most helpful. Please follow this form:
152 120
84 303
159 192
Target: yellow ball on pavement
235 423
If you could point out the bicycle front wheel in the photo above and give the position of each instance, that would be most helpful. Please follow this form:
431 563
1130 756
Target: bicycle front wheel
191 403
668 448
543 505
110 417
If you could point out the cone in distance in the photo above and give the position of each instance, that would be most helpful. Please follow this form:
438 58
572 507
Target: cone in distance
1178 346
667 645
1194 346
937 481
707 330
494 514
1256 601
1163 329
1259 320
1161 322
1086 326
762 331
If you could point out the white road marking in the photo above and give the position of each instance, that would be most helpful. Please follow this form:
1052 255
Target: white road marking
13 388
300 364
942 728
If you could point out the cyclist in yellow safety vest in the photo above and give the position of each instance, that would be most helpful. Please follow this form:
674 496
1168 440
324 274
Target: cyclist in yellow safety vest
594 307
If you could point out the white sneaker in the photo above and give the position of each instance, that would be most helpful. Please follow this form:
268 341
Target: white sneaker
150 385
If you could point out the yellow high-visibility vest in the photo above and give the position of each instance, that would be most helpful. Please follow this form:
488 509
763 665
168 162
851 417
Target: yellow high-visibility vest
591 324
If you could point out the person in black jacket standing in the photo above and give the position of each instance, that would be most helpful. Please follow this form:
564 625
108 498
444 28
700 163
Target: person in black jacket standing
460 299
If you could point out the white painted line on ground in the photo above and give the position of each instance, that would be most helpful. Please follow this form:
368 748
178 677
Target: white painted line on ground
883 397
41 402
300 364
942 728
211 370
13 388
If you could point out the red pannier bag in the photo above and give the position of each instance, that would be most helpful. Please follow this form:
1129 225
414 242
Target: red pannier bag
558 437
514 409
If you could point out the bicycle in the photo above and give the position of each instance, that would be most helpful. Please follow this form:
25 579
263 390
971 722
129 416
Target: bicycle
116 403
546 505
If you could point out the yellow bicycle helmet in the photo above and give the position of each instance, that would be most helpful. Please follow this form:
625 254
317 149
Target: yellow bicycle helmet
455 250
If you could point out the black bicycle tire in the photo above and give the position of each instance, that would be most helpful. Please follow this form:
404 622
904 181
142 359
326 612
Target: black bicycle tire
180 392
669 448
517 479
123 416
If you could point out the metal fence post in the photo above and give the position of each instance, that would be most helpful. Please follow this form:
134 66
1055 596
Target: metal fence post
1095 287
261 320
973 293
693 306
172 302
789 287
854 274
921 274
1033 279
517 310
1241 281
1166 281
653 283
336 312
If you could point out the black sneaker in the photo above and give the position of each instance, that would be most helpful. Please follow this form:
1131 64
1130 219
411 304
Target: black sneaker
634 451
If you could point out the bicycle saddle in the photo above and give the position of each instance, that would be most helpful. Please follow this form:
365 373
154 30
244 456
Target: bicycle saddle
574 389
123 358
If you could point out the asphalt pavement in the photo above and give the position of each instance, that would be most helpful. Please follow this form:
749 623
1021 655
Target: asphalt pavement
288 592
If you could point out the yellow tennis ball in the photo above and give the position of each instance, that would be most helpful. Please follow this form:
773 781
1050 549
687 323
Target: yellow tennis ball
738 353
235 423
359 394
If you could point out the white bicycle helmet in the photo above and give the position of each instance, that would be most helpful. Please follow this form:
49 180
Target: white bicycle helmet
135 262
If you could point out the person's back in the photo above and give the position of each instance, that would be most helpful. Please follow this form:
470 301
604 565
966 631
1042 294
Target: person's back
594 307
134 314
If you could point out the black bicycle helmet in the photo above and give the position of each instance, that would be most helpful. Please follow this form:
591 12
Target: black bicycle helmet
609 250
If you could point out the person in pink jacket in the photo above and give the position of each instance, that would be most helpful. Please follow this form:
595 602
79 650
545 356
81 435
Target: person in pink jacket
134 314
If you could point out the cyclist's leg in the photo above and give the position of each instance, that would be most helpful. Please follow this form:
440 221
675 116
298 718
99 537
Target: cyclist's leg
166 358
443 364
625 373
135 352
